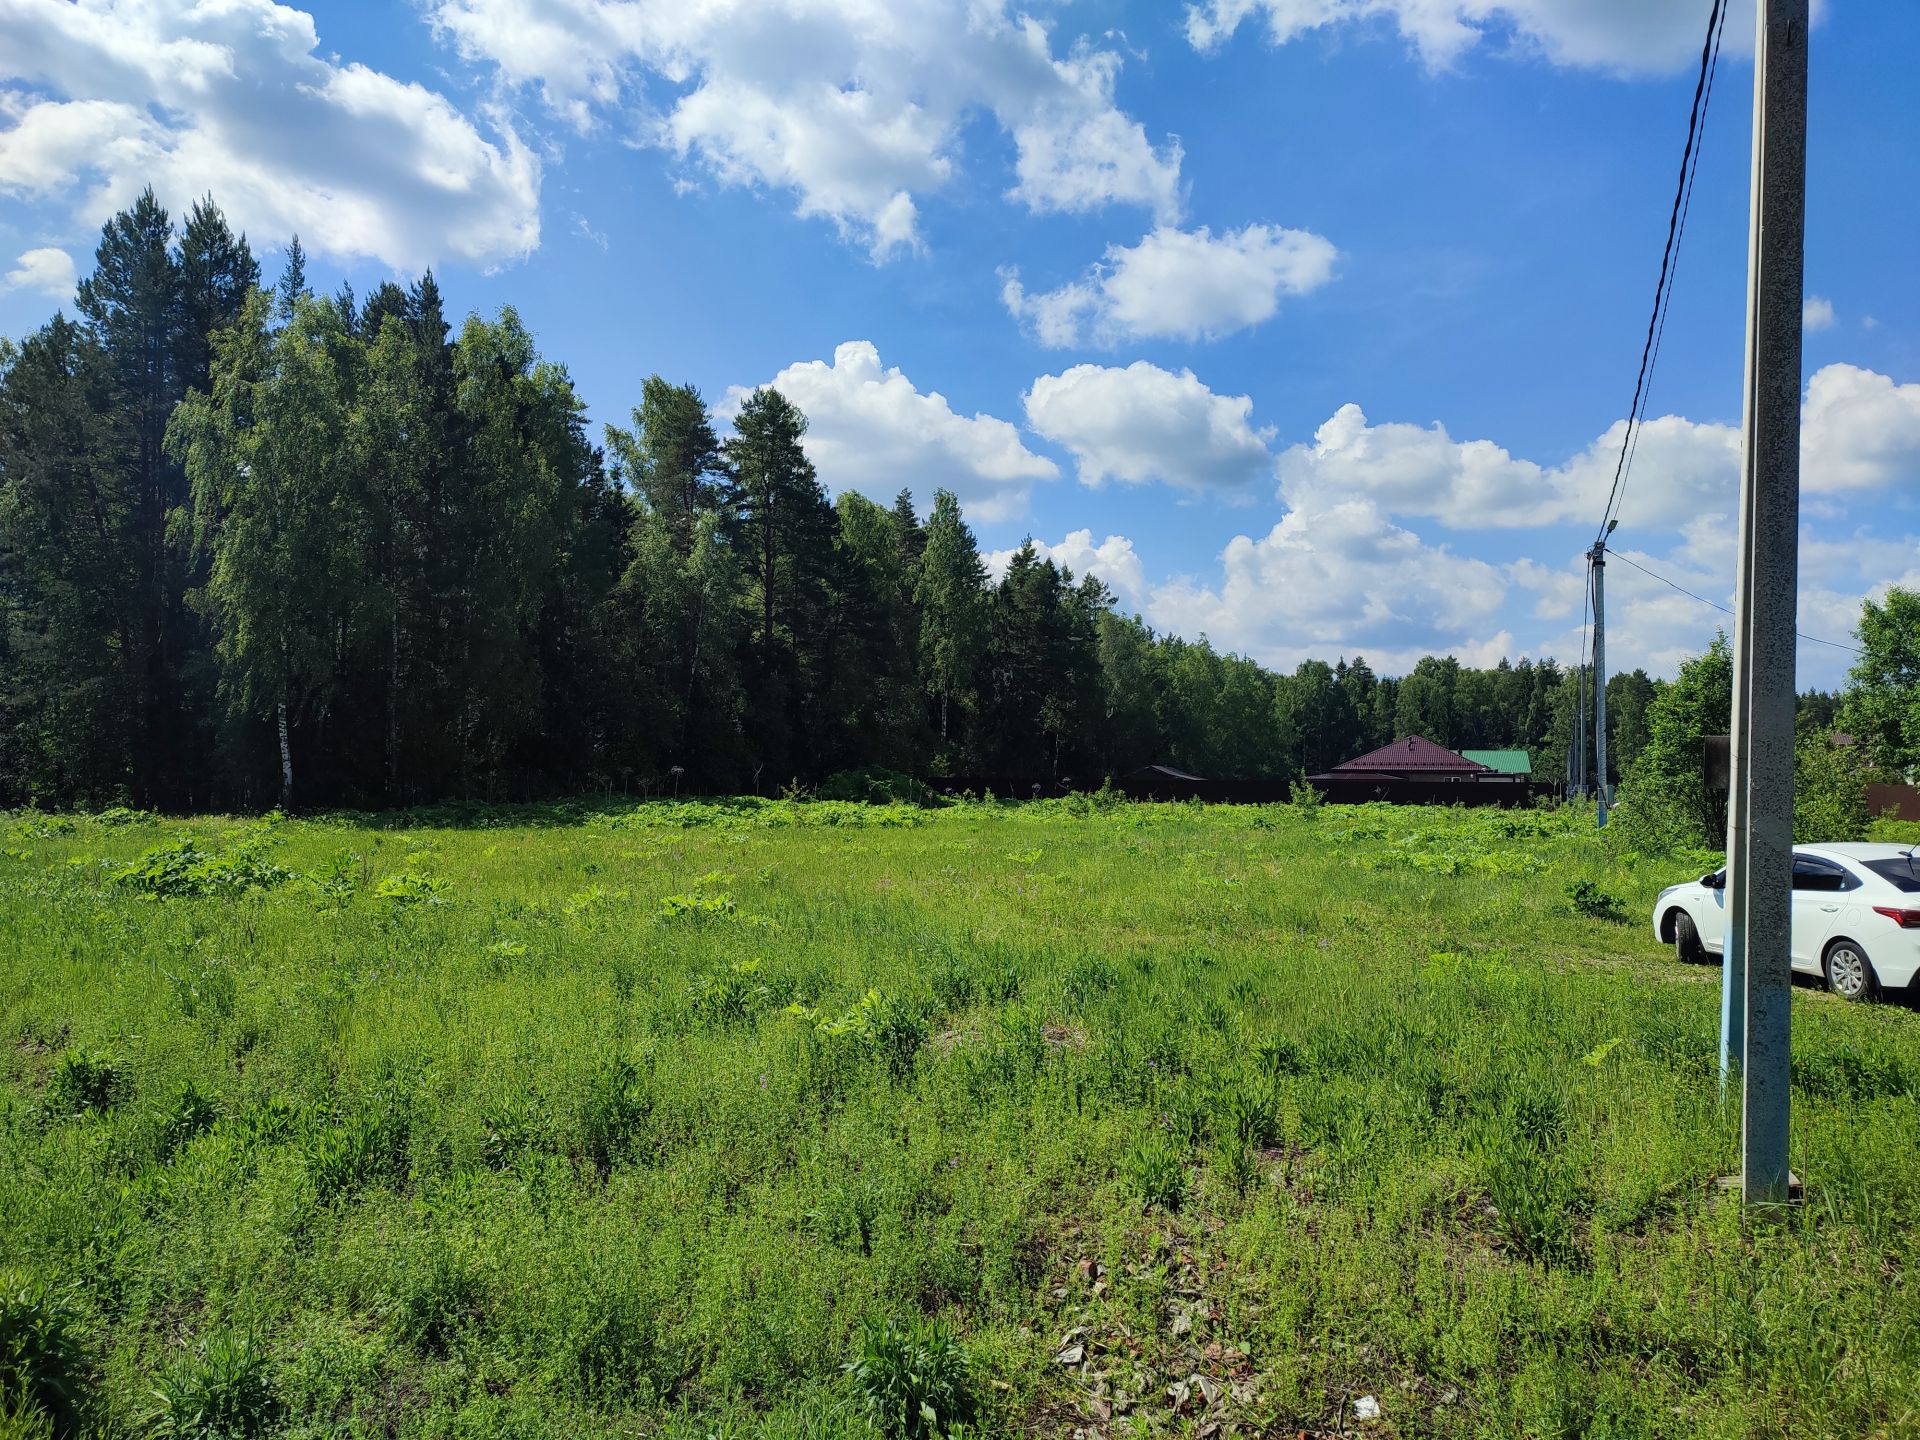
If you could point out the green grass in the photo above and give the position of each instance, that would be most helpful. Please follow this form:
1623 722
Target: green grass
775 1118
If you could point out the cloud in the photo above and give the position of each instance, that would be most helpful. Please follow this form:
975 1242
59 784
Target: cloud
1113 560
1817 314
46 270
1177 284
1859 431
1633 36
1143 424
230 99
869 429
1340 581
855 106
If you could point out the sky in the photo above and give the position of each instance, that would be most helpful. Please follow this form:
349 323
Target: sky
1309 325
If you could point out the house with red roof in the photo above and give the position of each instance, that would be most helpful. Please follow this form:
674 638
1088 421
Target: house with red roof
1414 771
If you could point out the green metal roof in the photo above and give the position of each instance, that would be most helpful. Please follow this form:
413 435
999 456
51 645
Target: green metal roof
1507 762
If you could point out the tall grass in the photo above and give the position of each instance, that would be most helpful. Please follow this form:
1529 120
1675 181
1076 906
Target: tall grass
491 1123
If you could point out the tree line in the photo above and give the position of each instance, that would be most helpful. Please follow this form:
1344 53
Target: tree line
266 546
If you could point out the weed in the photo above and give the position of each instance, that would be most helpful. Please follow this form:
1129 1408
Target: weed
407 888
41 1366
730 995
183 870
1156 1171
441 1294
1589 899
209 988
369 1146
84 1083
696 907
190 1115
611 1111
220 1391
912 1379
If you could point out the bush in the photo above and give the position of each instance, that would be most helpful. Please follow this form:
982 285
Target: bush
875 786
1665 800
912 1379
1829 791
41 1367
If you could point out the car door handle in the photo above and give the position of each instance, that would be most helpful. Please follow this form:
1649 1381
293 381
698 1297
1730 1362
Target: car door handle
1830 908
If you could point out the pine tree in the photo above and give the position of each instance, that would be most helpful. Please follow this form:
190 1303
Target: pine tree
217 274
784 530
133 305
293 280
70 561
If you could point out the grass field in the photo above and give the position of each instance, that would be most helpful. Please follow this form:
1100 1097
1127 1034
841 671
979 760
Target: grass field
1132 1121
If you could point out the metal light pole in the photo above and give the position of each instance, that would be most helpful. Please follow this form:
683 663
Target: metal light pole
1758 973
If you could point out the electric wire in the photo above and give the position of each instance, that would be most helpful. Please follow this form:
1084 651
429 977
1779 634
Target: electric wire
1689 160
1691 595
1637 428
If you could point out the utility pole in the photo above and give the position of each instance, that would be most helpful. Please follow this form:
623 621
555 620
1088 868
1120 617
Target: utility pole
1597 560
1758 973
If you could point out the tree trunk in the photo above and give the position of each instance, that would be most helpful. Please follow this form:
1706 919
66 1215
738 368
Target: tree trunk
286 758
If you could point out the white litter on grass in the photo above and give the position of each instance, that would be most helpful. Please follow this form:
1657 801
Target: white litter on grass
1366 1408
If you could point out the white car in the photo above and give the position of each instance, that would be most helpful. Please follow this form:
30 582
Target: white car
1856 916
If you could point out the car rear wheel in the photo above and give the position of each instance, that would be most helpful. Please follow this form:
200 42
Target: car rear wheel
1686 940
1849 972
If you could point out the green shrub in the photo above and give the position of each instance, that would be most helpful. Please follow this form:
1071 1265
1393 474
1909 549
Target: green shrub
41 1366
875 786
912 1379
221 1391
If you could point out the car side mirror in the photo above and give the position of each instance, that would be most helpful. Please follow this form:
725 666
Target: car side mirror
1712 880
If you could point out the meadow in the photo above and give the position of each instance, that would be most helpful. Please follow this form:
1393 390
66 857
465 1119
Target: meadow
814 1119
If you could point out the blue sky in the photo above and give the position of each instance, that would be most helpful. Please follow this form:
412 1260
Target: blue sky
1309 324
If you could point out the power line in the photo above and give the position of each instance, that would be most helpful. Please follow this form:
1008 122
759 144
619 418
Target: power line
1672 585
1666 308
1676 221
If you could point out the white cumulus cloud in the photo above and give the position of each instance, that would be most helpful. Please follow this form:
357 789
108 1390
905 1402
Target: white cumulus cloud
1860 431
230 98
870 429
1143 424
854 106
47 270
1816 313
1113 560
1340 581
1177 284
1614 35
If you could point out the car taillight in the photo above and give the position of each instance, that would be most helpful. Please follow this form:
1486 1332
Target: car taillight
1905 919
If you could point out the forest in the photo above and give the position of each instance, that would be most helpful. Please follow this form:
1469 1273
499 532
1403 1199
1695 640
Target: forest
260 546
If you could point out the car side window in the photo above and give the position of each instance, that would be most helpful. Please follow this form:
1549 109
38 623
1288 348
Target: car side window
1810 874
